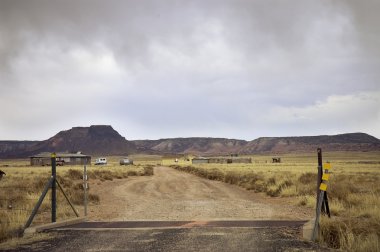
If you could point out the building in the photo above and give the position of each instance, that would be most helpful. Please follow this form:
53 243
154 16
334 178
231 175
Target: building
200 160
233 160
63 158
221 160
241 160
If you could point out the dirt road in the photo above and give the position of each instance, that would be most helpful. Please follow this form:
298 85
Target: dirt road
174 195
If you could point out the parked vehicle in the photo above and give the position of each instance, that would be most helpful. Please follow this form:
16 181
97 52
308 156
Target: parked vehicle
60 162
126 161
101 161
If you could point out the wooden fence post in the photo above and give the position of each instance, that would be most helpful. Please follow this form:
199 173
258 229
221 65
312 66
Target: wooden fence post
322 194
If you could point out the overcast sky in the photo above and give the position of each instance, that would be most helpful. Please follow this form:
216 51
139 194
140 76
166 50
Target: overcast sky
159 69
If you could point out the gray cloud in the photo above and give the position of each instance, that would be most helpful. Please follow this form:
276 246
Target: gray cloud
155 69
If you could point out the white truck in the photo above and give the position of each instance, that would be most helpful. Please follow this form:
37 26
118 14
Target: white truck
101 161
126 161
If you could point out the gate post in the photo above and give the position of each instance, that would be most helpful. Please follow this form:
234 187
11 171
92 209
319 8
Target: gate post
53 188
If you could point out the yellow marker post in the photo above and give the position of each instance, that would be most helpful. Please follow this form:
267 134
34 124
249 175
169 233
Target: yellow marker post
326 176
322 193
323 187
327 166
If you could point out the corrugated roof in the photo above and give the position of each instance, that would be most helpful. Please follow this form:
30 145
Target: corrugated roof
59 154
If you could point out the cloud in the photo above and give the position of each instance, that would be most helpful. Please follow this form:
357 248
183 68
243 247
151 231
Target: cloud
355 113
179 68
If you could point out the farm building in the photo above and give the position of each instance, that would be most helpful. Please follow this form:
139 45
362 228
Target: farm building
242 160
200 160
232 160
63 158
221 160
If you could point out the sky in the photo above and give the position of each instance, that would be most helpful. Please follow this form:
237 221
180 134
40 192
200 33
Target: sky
204 68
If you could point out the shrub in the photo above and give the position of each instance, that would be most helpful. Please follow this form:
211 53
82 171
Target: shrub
271 181
94 198
286 183
332 232
38 184
340 190
257 186
215 174
306 189
273 191
231 178
148 170
308 178
103 175
74 174
289 191
64 182
350 234
132 173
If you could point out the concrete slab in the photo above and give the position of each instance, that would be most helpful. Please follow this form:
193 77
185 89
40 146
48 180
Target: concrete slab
307 229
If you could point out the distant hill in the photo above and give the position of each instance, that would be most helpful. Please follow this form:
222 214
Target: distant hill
103 140
11 149
342 142
193 145
93 140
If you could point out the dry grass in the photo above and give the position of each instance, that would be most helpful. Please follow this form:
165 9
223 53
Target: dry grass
354 190
23 185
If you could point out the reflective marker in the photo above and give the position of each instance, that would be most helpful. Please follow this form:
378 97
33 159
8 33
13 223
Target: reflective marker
326 176
326 166
323 187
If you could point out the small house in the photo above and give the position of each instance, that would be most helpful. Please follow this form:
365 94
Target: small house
241 160
233 160
200 160
221 160
62 158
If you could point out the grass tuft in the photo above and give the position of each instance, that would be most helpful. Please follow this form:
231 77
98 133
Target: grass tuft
74 174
